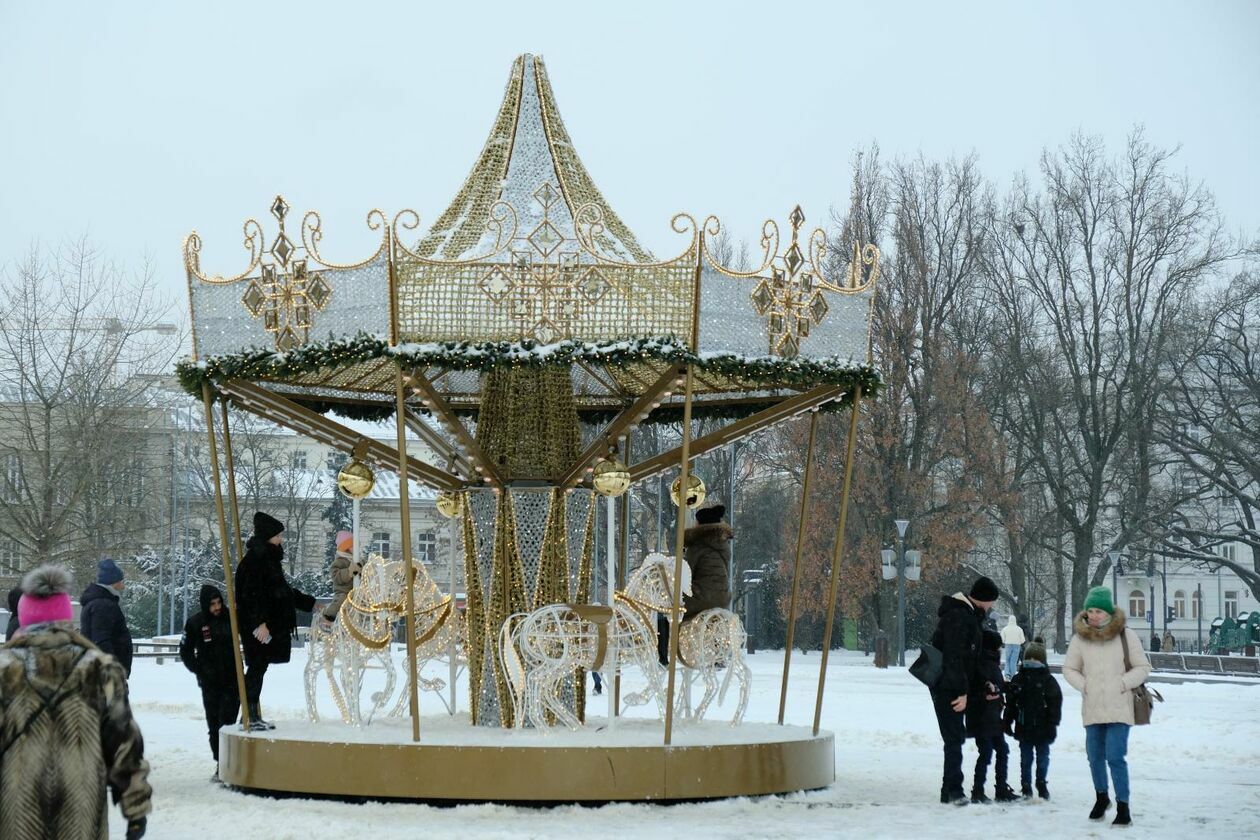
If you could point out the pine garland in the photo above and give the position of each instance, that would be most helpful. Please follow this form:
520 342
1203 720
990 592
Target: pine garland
761 371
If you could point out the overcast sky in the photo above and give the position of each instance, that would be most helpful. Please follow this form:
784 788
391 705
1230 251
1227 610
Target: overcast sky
138 122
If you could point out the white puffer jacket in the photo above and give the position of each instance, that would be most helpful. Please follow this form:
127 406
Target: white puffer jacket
1094 665
1012 633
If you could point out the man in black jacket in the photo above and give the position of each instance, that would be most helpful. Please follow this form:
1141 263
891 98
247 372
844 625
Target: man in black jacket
958 633
266 609
102 619
206 650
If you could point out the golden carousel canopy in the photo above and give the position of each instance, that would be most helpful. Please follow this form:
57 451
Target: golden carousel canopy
530 268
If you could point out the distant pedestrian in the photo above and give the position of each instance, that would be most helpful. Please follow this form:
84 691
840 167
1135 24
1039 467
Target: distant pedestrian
102 619
66 730
266 609
1095 666
599 683
957 637
1034 708
984 723
1012 644
1169 643
206 651
11 630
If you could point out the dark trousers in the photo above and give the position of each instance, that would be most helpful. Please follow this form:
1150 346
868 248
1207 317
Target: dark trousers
662 638
1026 750
990 745
255 669
221 705
953 734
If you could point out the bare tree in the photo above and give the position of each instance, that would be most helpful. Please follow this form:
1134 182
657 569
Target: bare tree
80 344
1089 278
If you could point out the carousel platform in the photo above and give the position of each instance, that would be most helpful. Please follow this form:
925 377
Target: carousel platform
457 762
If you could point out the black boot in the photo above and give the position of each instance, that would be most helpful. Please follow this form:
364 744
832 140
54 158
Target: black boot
978 797
1122 820
256 722
1042 790
1025 791
1101 804
953 797
1005 793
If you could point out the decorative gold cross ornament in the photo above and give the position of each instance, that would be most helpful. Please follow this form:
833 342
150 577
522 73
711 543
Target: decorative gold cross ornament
288 292
544 285
790 298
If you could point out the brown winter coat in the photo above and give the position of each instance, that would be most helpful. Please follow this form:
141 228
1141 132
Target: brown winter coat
707 550
1094 666
53 776
343 574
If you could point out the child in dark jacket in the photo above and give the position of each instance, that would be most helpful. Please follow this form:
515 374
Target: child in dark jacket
984 723
1035 707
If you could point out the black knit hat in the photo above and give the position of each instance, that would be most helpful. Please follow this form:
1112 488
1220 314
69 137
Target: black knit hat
709 515
984 589
266 527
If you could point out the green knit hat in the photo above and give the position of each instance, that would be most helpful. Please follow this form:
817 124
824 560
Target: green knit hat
1099 598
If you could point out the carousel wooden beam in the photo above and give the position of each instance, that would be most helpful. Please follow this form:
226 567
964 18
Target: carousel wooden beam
441 409
433 438
620 425
285 412
740 428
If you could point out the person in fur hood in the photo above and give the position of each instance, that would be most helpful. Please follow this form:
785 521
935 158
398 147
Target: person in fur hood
1095 667
707 550
66 729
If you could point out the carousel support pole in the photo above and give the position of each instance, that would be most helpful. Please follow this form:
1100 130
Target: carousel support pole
609 580
683 487
231 471
456 531
624 554
208 399
796 566
404 504
838 555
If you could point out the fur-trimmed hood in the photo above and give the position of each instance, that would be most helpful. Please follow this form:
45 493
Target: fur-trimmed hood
716 532
1113 628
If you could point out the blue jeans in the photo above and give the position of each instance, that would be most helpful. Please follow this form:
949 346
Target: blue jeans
1026 750
1011 660
1106 745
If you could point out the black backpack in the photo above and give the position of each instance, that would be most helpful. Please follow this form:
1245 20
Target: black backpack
1032 705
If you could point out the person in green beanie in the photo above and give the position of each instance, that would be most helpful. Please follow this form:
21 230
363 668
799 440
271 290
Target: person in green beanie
1095 666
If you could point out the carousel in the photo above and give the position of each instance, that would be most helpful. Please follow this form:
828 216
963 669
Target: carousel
523 337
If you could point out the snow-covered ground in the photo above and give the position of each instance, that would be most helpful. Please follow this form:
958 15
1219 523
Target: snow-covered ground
1193 771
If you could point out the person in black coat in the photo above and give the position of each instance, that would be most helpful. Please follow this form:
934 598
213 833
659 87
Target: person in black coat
101 619
266 608
957 637
1034 709
984 722
15 595
206 651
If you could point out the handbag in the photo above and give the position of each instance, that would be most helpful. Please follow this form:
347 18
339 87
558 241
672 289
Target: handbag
927 668
1143 697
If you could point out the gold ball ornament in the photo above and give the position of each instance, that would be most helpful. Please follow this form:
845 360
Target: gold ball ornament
356 479
696 491
450 504
610 478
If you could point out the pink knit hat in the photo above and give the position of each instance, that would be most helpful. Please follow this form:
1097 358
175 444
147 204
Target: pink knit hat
45 597
345 541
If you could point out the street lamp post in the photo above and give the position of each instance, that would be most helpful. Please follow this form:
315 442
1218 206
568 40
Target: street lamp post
1116 571
902 525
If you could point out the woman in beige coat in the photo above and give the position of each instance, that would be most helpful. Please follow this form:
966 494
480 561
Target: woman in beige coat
1095 666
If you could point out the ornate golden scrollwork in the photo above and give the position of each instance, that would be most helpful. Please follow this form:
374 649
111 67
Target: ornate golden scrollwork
254 241
313 232
791 289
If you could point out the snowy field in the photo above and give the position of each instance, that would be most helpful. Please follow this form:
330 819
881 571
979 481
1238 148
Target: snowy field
1194 772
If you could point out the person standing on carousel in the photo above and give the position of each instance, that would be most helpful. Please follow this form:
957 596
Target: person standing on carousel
707 551
267 606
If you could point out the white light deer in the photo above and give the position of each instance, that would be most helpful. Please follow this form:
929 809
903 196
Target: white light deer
541 650
359 640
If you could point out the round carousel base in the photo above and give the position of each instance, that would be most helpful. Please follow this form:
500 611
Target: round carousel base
457 762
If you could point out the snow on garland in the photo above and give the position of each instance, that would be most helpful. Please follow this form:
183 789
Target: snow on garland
768 371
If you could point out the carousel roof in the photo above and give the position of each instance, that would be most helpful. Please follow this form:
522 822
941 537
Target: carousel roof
529 265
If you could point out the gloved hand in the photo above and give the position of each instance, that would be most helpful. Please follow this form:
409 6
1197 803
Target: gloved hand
135 828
